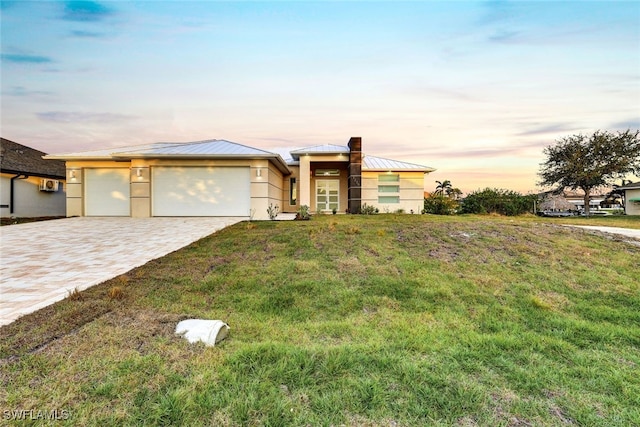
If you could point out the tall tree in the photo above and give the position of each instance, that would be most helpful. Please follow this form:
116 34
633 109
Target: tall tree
443 187
588 162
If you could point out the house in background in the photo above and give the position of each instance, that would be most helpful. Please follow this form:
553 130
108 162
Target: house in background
631 198
576 198
30 186
222 178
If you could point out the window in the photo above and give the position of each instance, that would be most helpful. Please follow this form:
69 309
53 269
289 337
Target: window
293 191
389 177
388 188
388 199
327 172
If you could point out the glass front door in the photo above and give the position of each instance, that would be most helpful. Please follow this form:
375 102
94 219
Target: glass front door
327 194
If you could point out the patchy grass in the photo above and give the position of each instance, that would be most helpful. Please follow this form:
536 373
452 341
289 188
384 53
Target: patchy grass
357 320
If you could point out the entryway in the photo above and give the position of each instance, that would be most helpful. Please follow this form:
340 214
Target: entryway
327 194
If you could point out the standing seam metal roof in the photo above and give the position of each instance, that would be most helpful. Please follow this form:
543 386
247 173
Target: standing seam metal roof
379 163
209 147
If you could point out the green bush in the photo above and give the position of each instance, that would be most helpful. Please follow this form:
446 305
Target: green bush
500 201
368 210
438 204
303 213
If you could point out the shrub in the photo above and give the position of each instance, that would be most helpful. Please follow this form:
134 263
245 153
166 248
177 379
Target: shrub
503 202
368 210
273 211
438 204
303 213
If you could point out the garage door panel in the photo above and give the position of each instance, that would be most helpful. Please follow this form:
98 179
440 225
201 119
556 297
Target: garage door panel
201 191
107 192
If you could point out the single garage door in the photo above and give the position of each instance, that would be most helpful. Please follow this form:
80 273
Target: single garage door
107 192
201 191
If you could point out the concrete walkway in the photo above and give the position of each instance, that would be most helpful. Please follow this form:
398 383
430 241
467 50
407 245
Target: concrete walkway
627 232
41 262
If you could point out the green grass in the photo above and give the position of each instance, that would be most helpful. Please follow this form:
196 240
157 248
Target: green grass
374 321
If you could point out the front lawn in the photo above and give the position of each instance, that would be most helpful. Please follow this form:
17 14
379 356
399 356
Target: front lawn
358 320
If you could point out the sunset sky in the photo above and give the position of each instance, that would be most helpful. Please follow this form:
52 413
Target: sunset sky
474 89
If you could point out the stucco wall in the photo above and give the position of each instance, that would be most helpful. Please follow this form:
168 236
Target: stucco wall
28 200
411 194
266 189
632 208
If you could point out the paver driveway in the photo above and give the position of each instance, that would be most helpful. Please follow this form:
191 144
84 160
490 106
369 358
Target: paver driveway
41 262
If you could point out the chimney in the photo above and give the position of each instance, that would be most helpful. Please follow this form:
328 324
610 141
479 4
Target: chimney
355 175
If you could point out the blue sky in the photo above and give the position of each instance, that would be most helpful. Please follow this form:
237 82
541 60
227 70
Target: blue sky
474 89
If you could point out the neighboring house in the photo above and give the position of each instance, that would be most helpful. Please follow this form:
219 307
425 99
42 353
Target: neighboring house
631 198
222 178
30 186
576 198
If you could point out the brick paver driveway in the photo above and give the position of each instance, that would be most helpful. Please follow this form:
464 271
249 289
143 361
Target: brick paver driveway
41 262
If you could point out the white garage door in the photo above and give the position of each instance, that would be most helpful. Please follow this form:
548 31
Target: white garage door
107 192
201 191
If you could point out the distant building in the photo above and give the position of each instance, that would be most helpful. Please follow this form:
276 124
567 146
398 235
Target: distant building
576 198
29 185
631 198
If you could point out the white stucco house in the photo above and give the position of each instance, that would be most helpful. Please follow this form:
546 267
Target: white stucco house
223 178
30 186
631 198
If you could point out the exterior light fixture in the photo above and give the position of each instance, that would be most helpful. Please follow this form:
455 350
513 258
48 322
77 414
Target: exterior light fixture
259 172
139 173
72 174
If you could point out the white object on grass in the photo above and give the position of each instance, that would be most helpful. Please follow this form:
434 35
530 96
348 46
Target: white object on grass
209 332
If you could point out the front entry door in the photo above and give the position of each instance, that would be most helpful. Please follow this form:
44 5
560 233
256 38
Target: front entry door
327 194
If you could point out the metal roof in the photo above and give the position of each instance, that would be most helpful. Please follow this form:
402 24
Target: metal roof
379 163
320 149
212 147
216 148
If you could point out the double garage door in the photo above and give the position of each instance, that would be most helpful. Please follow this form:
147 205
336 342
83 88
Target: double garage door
175 191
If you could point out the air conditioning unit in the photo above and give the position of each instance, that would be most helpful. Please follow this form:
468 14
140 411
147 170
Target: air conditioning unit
49 185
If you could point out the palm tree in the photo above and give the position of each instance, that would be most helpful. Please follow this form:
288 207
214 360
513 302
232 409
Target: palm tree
443 187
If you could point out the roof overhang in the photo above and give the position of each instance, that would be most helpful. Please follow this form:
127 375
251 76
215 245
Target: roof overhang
274 158
36 174
123 157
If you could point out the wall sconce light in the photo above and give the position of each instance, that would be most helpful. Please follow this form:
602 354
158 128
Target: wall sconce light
259 172
139 173
72 174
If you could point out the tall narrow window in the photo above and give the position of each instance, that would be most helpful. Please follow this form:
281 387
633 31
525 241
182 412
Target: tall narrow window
293 191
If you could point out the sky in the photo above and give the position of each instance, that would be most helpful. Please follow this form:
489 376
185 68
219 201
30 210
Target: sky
473 89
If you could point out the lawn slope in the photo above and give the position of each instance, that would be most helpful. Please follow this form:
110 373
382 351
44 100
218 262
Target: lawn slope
375 321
